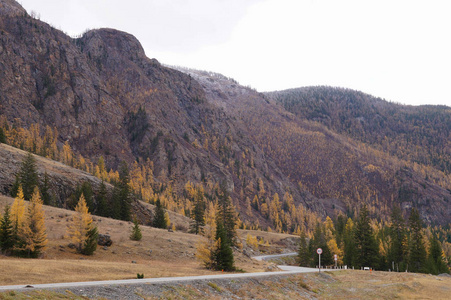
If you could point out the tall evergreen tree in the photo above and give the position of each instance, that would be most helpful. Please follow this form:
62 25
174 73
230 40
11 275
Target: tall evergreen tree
101 199
123 192
15 187
159 217
2 136
349 243
436 264
223 255
397 254
417 249
198 221
28 175
45 194
304 257
6 231
366 246
319 241
227 214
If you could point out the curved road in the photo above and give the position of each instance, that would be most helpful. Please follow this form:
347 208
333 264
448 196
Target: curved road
286 270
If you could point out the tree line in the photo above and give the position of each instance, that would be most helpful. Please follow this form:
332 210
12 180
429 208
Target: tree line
400 246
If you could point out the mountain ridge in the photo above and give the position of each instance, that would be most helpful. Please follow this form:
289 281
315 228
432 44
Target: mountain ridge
106 98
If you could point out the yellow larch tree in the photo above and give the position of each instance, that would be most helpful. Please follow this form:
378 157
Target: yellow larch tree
205 248
81 225
18 211
32 235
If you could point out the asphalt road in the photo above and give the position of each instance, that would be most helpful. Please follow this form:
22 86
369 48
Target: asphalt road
285 270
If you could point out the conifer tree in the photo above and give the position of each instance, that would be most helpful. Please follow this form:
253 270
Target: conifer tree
366 245
18 213
90 244
121 195
206 249
33 236
2 136
159 218
223 255
417 250
28 175
436 263
82 231
6 231
304 257
198 219
319 241
136 234
46 198
101 208
398 240
349 243
15 188
227 214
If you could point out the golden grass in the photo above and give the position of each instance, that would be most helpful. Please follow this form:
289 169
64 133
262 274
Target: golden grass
159 254
380 285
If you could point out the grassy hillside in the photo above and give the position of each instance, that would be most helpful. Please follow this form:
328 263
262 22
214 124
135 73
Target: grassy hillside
159 254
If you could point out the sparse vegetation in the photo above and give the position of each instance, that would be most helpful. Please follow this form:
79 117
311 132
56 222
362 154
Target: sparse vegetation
136 234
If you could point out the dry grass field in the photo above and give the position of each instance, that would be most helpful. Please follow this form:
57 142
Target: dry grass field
160 253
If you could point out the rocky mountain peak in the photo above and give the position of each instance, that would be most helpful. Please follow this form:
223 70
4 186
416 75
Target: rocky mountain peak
11 8
110 44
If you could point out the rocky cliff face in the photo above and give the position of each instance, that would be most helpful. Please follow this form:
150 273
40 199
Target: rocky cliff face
107 98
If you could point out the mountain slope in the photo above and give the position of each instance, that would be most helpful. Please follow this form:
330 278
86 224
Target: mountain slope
106 98
417 133
331 166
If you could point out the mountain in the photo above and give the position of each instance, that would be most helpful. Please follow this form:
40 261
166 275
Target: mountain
104 97
420 134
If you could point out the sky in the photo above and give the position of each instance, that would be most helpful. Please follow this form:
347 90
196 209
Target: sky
397 50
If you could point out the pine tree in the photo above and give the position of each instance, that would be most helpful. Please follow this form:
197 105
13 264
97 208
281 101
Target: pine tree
90 245
223 255
15 188
101 208
82 231
227 214
349 243
6 231
417 250
121 195
159 219
436 263
398 240
136 234
304 257
366 245
46 198
28 175
198 218
2 136
33 236
319 241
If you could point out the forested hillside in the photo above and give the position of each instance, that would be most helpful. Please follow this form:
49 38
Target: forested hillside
420 134
96 102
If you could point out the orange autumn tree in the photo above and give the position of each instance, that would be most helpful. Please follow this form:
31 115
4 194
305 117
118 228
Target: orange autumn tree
82 231
32 235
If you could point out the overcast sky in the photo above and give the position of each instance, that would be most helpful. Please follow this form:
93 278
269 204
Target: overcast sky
397 50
